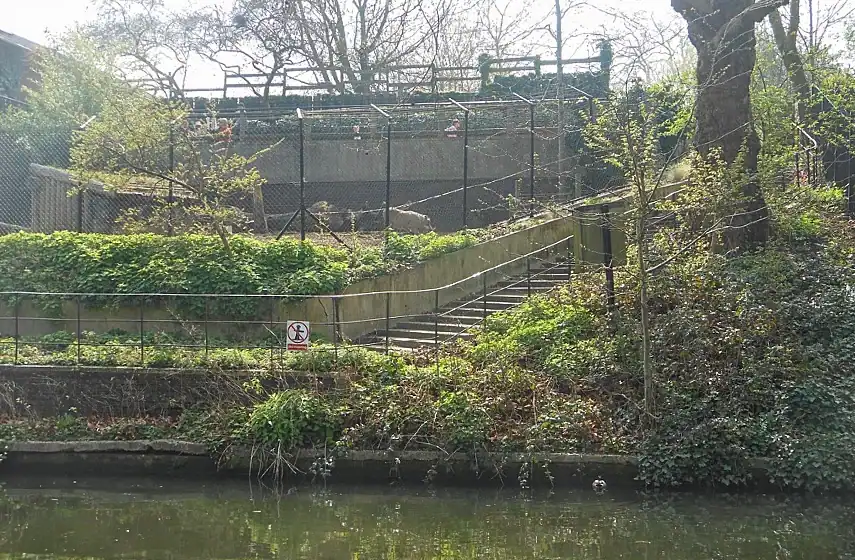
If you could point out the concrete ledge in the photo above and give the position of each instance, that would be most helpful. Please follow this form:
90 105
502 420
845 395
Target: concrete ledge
164 447
194 461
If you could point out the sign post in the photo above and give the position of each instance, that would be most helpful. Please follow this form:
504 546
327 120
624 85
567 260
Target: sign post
297 335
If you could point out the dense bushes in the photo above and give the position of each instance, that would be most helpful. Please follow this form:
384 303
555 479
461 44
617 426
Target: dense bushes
198 264
145 263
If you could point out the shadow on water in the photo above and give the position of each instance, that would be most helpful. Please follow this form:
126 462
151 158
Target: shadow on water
136 518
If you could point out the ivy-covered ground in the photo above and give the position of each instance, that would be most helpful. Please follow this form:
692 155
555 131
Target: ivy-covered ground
754 357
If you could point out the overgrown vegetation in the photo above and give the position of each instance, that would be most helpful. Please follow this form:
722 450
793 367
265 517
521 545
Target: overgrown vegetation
197 264
754 357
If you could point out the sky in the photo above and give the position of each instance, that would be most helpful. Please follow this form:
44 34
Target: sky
32 19
38 19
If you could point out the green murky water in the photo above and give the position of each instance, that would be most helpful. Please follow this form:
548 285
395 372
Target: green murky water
139 519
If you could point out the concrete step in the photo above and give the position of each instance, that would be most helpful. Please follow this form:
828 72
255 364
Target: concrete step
505 297
461 319
514 288
443 327
423 335
535 283
551 276
491 306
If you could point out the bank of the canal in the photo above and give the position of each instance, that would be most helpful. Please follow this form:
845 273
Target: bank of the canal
172 459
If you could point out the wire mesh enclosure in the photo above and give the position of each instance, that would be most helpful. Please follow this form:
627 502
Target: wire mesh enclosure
410 168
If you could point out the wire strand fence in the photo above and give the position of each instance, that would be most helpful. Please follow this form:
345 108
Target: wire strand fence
410 168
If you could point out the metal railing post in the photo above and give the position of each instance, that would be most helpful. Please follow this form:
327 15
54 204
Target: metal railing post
78 329
436 328
608 258
142 332
207 311
335 328
528 275
436 318
569 258
272 332
484 298
17 325
388 317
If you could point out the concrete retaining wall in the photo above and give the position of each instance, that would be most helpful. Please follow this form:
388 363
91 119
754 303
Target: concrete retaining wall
414 158
33 391
180 459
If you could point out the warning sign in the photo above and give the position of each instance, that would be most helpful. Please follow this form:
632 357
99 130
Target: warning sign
297 335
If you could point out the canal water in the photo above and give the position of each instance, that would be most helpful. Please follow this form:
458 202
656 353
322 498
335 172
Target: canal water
121 518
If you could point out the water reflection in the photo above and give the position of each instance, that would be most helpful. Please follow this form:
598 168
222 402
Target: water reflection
72 519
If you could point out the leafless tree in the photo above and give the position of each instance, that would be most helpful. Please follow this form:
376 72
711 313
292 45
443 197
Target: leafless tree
646 45
508 27
152 43
261 34
350 41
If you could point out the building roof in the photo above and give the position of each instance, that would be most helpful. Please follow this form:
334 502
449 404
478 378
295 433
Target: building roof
18 41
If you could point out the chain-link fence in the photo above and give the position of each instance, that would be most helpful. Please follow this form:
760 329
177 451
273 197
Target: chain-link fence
411 168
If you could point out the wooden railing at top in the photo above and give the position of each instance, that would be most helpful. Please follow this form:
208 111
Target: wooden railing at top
426 75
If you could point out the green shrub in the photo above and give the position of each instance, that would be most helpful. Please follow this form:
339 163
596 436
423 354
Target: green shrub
198 264
294 418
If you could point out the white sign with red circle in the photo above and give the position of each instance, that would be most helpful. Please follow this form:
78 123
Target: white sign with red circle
297 335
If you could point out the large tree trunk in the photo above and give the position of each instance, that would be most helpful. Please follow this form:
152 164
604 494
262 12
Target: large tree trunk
722 32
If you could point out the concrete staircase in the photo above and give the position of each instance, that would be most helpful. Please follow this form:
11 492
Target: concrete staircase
457 319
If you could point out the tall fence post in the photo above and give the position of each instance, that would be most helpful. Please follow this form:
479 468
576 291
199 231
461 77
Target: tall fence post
170 199
608 258
388 206
81 205
465 161
388 173
302 175
850 181
531 163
